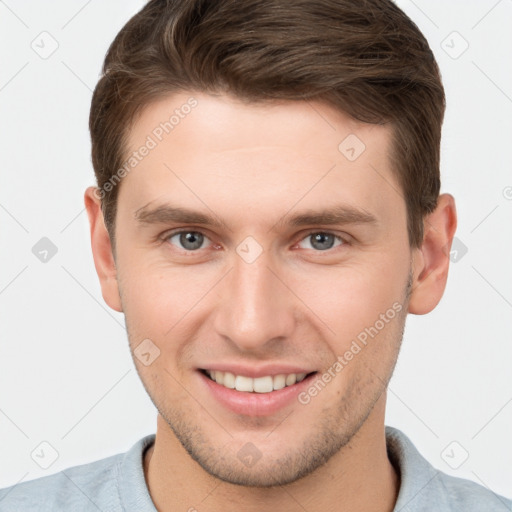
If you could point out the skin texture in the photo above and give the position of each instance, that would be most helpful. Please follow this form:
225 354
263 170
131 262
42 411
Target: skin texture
250 166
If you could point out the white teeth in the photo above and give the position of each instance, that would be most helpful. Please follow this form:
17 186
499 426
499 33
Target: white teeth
265 384
244 383
279 381
229 380
291 379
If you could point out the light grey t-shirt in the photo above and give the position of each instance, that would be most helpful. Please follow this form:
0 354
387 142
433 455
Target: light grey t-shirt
117 484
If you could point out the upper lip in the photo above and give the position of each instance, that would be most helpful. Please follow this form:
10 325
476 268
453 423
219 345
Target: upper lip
259 371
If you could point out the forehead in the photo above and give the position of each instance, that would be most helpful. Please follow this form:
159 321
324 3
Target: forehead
230 152
306 125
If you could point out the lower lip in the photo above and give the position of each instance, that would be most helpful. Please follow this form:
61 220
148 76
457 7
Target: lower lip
255 404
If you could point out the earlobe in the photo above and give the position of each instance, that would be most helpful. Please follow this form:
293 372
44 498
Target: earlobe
431 261
102 251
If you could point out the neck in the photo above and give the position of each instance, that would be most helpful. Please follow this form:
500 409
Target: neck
359 477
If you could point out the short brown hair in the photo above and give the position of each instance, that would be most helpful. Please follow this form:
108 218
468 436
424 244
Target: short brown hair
365 58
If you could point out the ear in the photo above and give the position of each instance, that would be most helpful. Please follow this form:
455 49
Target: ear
102 250
431 260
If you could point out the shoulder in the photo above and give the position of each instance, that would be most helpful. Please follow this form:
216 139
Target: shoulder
81 487
423 486
94 486
468 496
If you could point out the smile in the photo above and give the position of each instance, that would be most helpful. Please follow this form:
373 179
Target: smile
265 384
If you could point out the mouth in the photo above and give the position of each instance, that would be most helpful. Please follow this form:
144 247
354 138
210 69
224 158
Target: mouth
264 384
260 395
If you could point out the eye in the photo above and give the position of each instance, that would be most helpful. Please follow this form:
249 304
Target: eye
191 241
322 241
187 240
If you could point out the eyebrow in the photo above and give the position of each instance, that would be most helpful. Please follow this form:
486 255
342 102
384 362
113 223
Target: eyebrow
340 214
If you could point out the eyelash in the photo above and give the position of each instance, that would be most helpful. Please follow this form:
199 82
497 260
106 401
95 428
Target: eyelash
166 236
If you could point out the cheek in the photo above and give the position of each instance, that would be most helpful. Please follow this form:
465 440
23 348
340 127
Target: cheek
351 298
158 290
164 304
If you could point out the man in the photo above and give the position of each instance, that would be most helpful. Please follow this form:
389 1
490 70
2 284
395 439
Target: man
266 215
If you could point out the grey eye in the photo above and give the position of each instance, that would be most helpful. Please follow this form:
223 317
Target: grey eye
189 240
322 241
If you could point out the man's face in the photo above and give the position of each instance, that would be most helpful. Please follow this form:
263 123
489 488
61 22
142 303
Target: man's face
257 294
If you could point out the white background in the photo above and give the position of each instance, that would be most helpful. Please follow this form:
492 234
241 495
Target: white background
66 376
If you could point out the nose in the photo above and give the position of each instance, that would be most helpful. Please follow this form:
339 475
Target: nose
255 308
